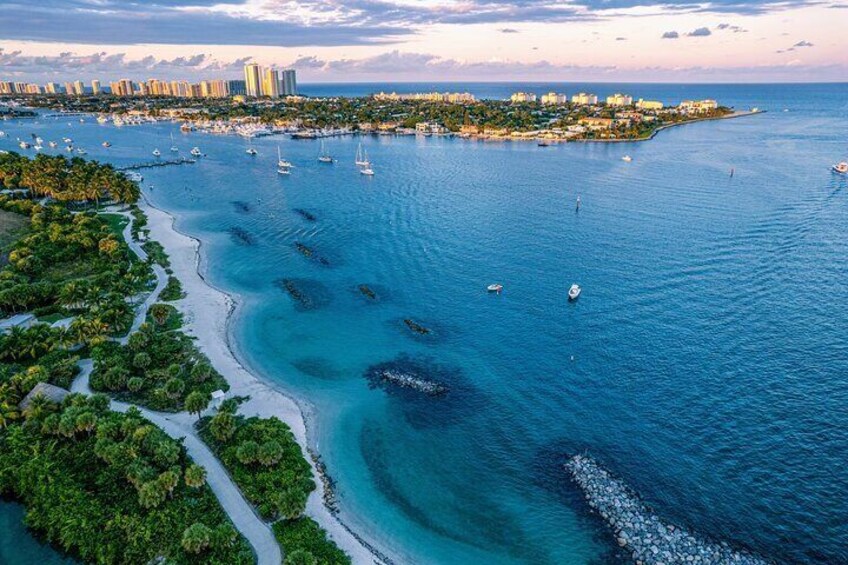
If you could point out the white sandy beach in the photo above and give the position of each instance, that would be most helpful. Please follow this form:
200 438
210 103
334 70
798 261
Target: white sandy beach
207 311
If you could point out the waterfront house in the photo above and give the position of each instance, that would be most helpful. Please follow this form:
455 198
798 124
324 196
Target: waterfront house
697 106
649 104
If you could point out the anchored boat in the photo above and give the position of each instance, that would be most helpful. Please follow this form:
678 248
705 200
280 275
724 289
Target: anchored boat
574 292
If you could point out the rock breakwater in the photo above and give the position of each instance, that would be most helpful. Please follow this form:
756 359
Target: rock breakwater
638 530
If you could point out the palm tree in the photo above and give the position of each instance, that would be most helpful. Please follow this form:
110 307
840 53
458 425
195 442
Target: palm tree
196 538
196 402
195 476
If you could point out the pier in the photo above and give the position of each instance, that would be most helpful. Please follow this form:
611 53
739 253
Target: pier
650 540
151 164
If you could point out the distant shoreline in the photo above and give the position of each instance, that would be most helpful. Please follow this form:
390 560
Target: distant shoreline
667 126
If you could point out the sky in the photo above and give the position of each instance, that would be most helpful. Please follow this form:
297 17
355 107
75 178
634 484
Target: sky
428 40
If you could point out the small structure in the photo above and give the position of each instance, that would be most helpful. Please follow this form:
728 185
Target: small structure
52 393
16 321
218 397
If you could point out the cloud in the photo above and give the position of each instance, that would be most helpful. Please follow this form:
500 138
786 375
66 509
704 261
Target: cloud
734 29
508 30
670 35
621 39
803 44
700 32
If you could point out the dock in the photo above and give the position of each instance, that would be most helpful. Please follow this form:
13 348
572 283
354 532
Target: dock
152 164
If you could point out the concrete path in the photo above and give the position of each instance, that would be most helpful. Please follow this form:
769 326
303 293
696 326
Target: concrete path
181 426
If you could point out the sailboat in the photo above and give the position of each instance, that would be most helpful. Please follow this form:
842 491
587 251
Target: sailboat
174 148
362 157
324 157
283 166
195 151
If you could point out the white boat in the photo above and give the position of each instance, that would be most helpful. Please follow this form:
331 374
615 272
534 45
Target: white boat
185 127
38 147
251 151
627 158
24 145
283 171
841 168
196 151
102 119
81 151
52 144
495 288
39 141
156 152
174 148
282 163
69 148
367 171
574 291
67 140
324 157
362 157
106 144
82 121
2 134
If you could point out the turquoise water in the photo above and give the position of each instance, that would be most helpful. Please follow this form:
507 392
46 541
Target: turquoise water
705 361
18 546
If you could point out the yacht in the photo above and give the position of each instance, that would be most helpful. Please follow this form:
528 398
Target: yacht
841 168
38 147
195 151
251 151
52 144
495 288
362 157
107 144
574 291
324 157
367 171
283 171
24 145
69 148
39 141
627 158
157 153
81 151
282 163
67 140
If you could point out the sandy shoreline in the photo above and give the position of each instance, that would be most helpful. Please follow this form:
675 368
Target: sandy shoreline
207 313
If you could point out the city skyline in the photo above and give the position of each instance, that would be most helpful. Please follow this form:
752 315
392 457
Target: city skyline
427 40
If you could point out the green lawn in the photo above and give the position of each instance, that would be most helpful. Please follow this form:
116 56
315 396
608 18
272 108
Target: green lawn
116 222
11 225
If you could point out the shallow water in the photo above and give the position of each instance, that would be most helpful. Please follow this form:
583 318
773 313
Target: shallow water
704 363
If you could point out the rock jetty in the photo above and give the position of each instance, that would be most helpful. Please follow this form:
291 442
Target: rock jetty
242 236
310 253
408 380
416 327
291 287
367 292
305 214
648 539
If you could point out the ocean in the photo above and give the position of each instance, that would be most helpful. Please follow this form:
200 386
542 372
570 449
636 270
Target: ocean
705 362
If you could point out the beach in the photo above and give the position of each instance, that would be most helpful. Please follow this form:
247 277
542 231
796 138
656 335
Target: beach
207 312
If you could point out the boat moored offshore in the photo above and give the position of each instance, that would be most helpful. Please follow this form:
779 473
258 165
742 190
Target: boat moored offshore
841 168
574 292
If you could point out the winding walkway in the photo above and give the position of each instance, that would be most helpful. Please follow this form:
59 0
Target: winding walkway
180 426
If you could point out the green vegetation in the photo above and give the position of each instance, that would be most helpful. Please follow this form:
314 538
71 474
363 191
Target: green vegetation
156 253
66 180
72 265
111 487
264 459
158 368
164 317
304 542
11 226
173 290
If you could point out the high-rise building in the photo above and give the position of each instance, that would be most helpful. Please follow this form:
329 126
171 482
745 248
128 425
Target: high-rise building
79 88
52 88
288 83
69 88
619 100
7 87
125 87
553 98
523 97
271 83
584 98
253 80
236 87
95 87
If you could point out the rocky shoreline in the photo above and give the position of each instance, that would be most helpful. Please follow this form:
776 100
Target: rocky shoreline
410 381
650 540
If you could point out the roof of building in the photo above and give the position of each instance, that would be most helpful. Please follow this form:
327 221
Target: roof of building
16 320
50 392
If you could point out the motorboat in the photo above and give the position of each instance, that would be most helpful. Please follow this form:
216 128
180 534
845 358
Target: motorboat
283 171
195 151
157 153
367 171
186 127
251 151
39 141
106 144
69 148
38 147
102 119
52 144
574 291
81 151
841 168
67 140
627 158
495 288
24 145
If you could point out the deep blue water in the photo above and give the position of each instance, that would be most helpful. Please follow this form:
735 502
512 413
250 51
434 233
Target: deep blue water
705 362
